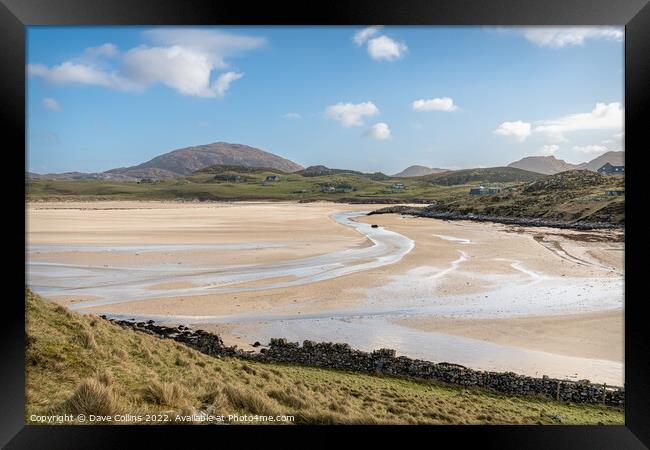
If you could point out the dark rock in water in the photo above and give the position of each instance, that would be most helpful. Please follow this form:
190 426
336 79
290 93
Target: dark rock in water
374 226
256 344
150 322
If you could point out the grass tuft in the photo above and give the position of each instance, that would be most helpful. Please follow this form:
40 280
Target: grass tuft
247 399
161 393
91 397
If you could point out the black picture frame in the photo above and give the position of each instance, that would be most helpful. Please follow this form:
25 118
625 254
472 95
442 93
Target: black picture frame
15 15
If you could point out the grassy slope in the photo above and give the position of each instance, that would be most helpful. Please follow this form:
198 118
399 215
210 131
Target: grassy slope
202 186
83 364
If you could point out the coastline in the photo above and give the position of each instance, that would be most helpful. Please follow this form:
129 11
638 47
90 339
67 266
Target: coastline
522 221
465 288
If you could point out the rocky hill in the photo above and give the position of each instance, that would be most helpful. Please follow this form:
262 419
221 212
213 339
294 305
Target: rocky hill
184 161
550 165
418 171
614 158
574 199
572 180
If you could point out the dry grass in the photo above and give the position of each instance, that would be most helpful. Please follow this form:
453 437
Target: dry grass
92 397
87 339
160 393
74 366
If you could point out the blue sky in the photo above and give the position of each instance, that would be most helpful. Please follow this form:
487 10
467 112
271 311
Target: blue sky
371 99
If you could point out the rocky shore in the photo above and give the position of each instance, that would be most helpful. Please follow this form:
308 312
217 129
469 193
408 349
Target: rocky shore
431 212
385 361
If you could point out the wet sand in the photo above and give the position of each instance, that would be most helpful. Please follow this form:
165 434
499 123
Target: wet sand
590 335
547 298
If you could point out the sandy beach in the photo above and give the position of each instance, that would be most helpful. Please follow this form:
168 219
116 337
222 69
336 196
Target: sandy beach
538 299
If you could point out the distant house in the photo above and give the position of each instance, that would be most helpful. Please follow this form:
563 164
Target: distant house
398 186
273 178
484 190
328 189
608 168
615 192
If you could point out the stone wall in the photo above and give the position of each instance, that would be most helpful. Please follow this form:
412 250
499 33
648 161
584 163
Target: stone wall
385 361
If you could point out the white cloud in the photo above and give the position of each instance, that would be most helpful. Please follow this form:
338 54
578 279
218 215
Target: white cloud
434 104
602 117
519 130
69 72
52 104
222 83
361 37
549 150
589 149
379 131
107 50
558 37
292 115
215 45
351 114
183 59
383 48
380 47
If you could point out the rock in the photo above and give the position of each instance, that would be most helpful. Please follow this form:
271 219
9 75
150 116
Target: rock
374 226
256 344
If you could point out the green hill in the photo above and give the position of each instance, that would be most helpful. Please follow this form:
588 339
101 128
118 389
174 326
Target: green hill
79 364
487 175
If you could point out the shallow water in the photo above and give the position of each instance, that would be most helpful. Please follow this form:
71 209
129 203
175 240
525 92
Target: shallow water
367 326
123 284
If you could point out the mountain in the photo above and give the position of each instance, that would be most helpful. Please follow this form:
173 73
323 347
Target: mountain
614 158
550 165
184 161
418 171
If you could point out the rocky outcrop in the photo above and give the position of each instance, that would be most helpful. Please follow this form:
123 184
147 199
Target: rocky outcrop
384 361
431 212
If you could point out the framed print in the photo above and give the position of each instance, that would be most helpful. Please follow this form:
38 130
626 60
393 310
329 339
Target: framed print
364 217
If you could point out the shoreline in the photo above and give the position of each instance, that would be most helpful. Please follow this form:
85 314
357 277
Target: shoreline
384 361
412 207
463 270
522 221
